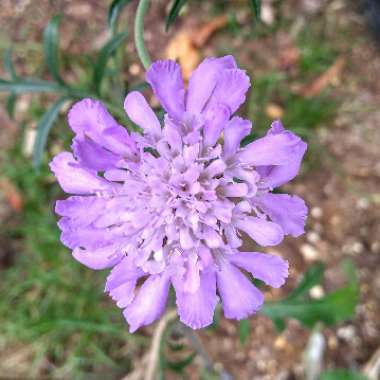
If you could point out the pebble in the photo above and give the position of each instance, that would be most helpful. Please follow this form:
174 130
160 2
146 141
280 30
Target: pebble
316 212
134 69
309 253
346 333
29 139
280 343
375 247
316 292
362 204
332 343
353 248
313 237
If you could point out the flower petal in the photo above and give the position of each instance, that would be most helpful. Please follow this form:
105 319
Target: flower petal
236 129
93 156
272 149
240 298
235 190
124 294
276 176
121 282
139 111
271 269
90 118
124 271
196 310
149 303
216 119
203 81
230 89
289 212
262 231
166 81
75 179
97 259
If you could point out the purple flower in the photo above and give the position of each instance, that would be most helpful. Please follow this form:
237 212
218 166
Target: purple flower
170 206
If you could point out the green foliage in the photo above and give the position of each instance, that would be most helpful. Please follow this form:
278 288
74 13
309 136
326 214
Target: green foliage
317 54
10 105
104 54
58 309
342 374
301 115
256 6
180 365
243 330
174 12
114 13
333 308
43 128
313 276
51 47
8 63
19 85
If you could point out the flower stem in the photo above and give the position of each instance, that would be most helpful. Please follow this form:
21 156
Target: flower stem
139 33
198 347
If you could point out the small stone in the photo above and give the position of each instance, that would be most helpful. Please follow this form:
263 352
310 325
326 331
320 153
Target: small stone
357 247
316 292
267 13
316 212
375 247
261 365
313 237
332 343
134 69
274 111
309 253
280 343
362 204
30 138
346 333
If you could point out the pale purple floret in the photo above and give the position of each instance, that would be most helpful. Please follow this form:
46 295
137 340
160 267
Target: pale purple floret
169 206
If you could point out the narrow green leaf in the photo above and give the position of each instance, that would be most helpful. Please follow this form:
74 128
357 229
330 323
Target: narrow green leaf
256 6
342 374
174 11
43 130
105 53
11 101
279 324
335 307
138 86
51 47
243 330
8 64
29 85
312 277
114 12
180 365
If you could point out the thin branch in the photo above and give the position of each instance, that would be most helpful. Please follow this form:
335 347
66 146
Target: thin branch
151 359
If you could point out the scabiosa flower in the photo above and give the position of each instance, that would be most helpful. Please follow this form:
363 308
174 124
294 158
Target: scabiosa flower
170 206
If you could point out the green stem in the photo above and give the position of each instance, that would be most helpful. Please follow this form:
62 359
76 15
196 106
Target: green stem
139 33
198 347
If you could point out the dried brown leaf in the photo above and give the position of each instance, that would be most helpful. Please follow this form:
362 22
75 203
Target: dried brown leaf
320 83
11 194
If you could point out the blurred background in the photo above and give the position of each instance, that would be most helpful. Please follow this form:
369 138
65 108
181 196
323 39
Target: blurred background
315 64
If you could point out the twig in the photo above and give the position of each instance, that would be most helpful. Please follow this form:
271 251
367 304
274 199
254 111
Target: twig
151 359
156 342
